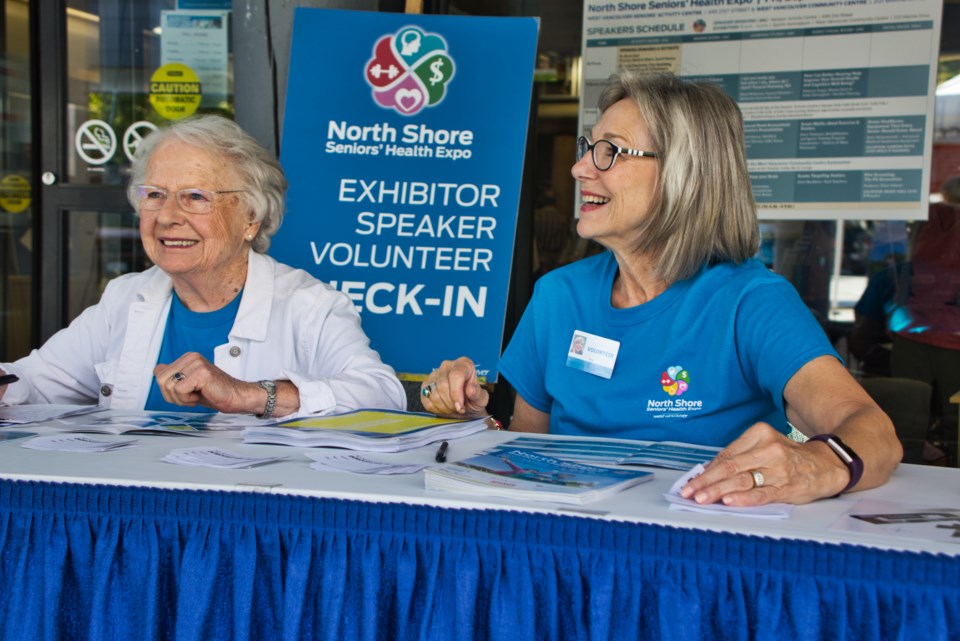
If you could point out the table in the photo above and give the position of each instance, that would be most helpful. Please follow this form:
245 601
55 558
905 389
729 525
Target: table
122 546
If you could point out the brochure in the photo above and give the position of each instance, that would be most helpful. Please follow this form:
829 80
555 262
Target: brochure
595 451
603 451
528 475
144 422
671 455
367 430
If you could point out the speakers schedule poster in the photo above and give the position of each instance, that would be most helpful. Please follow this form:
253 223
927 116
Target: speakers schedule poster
837 95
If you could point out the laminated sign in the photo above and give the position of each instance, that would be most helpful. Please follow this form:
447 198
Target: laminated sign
403 146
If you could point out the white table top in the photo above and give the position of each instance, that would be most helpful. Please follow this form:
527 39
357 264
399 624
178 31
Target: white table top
912 488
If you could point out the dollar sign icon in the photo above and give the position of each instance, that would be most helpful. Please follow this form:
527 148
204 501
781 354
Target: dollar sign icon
435 68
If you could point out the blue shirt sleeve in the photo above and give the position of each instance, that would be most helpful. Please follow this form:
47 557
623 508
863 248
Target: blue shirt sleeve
522 363
776 335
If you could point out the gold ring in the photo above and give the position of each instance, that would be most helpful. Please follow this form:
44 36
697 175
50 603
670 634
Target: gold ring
758 479
178 376
428 389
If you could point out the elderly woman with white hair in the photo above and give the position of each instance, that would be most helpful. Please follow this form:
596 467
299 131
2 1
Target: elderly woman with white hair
215 324
686 336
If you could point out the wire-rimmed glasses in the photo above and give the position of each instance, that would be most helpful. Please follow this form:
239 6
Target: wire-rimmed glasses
190 200
604 153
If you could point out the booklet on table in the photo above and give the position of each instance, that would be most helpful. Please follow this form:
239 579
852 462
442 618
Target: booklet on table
528 475
366 430
672 455
155 422
604 451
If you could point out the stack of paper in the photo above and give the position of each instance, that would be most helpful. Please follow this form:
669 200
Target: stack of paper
20 414
604 451
592 451
672 455
215 457
528 475
68 443
360 464
367 430
144 422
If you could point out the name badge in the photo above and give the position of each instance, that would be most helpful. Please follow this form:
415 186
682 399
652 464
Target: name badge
592 354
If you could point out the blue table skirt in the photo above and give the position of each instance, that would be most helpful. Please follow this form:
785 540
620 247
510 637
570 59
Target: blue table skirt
97 562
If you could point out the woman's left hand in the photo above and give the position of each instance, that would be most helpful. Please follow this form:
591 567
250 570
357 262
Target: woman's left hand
789 472
193 380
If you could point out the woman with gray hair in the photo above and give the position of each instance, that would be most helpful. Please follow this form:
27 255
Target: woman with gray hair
687 337
215 324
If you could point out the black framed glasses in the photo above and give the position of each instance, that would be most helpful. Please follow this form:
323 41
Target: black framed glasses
190 200
604 153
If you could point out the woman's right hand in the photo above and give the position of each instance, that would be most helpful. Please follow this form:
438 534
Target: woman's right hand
452 390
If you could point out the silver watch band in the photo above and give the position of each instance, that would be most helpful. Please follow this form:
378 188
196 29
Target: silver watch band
270 387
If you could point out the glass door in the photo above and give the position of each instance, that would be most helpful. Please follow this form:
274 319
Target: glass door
17 201
125 67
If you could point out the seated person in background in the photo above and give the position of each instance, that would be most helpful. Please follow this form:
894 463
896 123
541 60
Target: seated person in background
216 324
925 319
869 341
687 337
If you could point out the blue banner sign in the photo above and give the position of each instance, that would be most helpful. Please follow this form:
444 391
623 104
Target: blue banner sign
403 144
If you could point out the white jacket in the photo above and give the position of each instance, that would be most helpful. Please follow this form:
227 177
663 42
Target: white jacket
290 326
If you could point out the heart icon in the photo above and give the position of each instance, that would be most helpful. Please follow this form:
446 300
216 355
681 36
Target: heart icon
665 380
673 371
684 376
681 387
408 99
671 389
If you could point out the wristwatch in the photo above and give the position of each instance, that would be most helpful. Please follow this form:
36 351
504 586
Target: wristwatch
847 455
270 387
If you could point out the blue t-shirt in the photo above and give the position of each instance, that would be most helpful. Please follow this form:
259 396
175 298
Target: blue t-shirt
699 363
189 331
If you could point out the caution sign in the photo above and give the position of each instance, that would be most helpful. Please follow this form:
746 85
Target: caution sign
14 194
175 91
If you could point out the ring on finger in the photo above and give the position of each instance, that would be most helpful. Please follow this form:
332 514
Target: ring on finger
428 389
758 479
178 376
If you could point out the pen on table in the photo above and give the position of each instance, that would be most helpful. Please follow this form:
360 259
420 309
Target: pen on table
442 452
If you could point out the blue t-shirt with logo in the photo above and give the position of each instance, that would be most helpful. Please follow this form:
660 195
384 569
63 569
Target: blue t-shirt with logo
189 331
700 363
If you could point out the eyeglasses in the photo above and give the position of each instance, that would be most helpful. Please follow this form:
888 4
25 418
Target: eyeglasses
192 201
604 153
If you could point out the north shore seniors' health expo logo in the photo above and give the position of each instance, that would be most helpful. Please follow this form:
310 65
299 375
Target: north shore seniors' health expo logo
675 380
409 70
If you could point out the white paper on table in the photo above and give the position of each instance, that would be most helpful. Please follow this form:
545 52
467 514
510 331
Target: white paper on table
216 457
359 464
20 414
677 502
73 443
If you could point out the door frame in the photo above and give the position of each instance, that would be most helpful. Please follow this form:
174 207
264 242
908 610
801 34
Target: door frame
48 19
